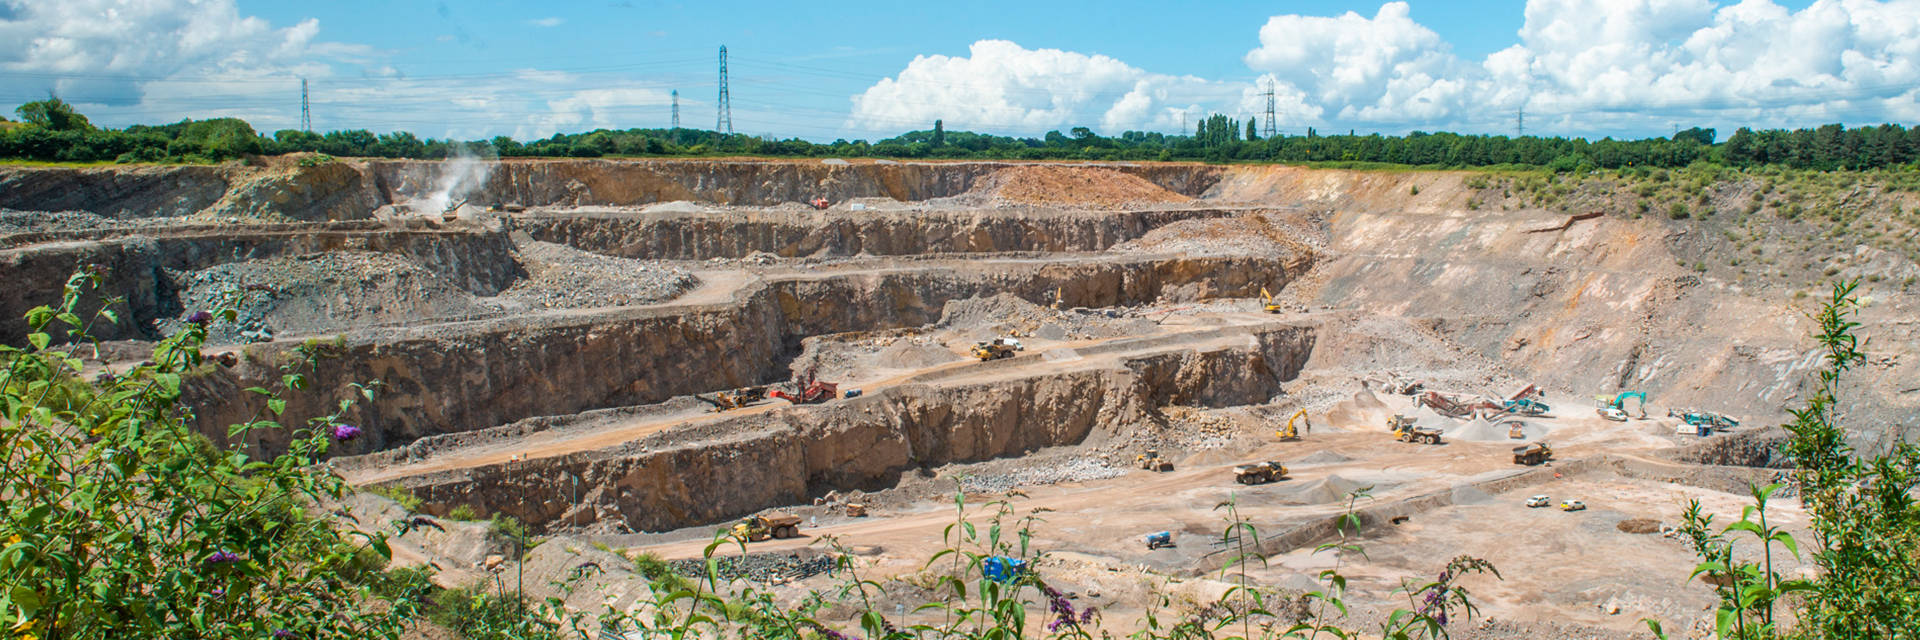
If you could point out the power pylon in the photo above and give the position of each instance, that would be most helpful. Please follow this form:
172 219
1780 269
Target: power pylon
1272 128
676 108
725 122
306 116
1520 122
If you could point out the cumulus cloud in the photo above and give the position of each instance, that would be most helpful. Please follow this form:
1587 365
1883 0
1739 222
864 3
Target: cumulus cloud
1001 86
1627 67
1586 65
151 61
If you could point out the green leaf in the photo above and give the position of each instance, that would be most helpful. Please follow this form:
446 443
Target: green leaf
277 405
39 341
72 319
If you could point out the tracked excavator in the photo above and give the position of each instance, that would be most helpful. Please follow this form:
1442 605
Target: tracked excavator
1616 408
1266 302
1292 431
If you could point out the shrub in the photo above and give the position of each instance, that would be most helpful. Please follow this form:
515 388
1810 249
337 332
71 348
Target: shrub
1678 211
120 521
463 513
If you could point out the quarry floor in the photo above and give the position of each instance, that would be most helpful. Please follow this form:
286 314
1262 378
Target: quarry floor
541 348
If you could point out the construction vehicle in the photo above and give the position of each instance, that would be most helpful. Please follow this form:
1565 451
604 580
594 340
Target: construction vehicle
808 390
1701 422
1003 569
819 203
1160 539
1516 430
1404 430
1059 299
1259 472
1532 454
1615 409
1152 461
1526 407
729 400
1292 430
997 349
773 525
1398 386
1456 405
1266 302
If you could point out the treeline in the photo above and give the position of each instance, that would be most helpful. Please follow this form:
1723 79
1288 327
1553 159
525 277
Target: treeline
52 130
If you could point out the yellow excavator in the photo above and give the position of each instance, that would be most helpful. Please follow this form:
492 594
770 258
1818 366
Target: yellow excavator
1292 430
1266 302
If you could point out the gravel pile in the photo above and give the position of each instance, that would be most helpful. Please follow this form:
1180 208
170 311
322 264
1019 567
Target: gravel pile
768 568
1216 237
561 277
1075 187
318 293
1006 313
33 221
1070 470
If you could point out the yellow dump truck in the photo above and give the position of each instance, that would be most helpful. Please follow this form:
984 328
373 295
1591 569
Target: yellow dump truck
773 525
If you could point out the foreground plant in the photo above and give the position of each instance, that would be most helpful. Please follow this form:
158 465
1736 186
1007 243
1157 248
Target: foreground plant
120 521
1866 526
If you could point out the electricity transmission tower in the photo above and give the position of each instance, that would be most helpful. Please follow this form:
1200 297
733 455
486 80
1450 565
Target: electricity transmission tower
1271 128
725 123
1520 122
676 108
306 116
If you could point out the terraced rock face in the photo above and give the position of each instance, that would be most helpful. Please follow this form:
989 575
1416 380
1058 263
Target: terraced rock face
557 361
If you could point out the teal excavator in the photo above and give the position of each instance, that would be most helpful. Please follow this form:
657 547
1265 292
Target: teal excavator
1615 409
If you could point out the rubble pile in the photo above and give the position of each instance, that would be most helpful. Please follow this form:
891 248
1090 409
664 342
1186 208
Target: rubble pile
766 568
1077 469
562 277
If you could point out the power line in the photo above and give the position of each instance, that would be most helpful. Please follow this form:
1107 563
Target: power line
725 120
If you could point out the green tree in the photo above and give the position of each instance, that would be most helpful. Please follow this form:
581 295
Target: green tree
939 133
53 113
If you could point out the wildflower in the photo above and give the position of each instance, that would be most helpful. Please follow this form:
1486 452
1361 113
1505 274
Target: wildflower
105 378
223 557
345 432
200 318
282 633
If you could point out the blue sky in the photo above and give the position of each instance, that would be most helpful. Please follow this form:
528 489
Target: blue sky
821 71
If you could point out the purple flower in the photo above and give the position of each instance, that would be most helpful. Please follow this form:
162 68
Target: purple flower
282 633
223 557
200 318
345 432
104 379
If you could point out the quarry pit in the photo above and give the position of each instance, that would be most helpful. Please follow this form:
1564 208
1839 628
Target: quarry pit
542 344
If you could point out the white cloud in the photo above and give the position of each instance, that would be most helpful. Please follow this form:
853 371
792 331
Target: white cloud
1597 66
547 22
1003 87
154 61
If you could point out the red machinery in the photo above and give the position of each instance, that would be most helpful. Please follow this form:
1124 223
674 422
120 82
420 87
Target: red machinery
810 391
1455 405
819 203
